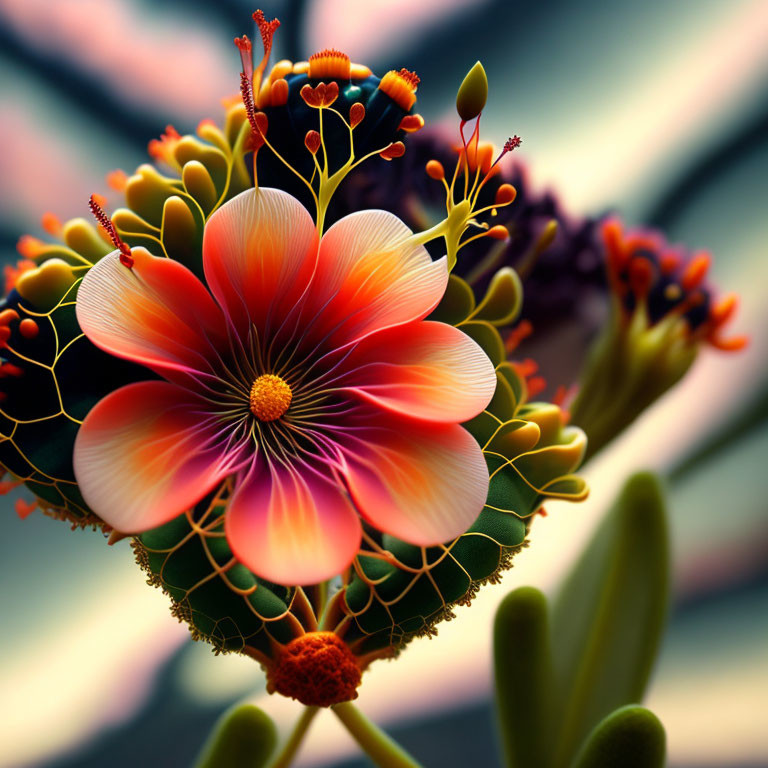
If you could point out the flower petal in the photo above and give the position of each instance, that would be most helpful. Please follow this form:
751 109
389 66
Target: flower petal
369 278
292 526
156 313
425 485
146 453
425 370
259 253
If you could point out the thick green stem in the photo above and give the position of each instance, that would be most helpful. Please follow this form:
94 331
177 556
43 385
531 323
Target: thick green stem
385 752
295 740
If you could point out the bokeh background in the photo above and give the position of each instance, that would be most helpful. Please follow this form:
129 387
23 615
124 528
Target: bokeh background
657 109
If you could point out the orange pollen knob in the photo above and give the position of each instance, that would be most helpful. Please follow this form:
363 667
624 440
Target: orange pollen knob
330 63
317 669
400 87
435 170
270 397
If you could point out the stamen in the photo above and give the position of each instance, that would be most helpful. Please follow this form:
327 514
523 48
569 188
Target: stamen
510 144
331 64
435 170
246 55
125 252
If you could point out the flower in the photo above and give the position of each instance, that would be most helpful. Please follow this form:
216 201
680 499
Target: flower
310 381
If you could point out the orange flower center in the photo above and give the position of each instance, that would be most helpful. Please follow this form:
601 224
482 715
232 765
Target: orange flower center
270 397
317 669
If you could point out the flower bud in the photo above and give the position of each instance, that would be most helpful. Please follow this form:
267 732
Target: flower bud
473 93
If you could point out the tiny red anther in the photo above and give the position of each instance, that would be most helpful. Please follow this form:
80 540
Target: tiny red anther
28 328
266 28
411 123
356 114
312 141
125 252
499 232
8 316
505 194
397 149
435 170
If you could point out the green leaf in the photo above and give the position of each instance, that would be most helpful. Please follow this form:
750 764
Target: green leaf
523 677
630 737
608 619
243 737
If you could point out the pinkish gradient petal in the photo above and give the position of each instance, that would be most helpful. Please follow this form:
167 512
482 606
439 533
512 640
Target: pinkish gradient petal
292 526
425 370
259 253
157 313
425 485
368 278
146 453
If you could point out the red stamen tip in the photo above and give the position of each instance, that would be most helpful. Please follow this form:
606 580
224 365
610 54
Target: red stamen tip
512 143
125 252
266 28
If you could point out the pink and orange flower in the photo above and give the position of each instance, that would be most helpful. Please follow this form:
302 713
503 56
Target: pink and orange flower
310 378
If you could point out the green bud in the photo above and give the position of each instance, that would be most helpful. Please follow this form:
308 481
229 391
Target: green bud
473 93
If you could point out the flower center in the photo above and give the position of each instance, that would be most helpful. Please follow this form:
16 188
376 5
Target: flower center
270 397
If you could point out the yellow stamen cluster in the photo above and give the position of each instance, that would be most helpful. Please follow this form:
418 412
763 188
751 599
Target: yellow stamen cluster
270 397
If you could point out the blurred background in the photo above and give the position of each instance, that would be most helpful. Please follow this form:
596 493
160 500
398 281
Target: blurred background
656 109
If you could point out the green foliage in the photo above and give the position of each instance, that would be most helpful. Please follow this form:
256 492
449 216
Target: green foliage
243 737
558 675
630 737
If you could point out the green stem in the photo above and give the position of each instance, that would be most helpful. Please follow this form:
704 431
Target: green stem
291 747
383 750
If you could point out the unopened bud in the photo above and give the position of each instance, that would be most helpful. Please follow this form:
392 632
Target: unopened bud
473 93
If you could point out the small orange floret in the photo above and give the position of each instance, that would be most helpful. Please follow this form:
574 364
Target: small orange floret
30 247
505 194
696 271
51 224
11 274
396 149
331 64
317 669
411 123
356 114
117 180
499 232
28 328
400 87
322 95
312 141
435 170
